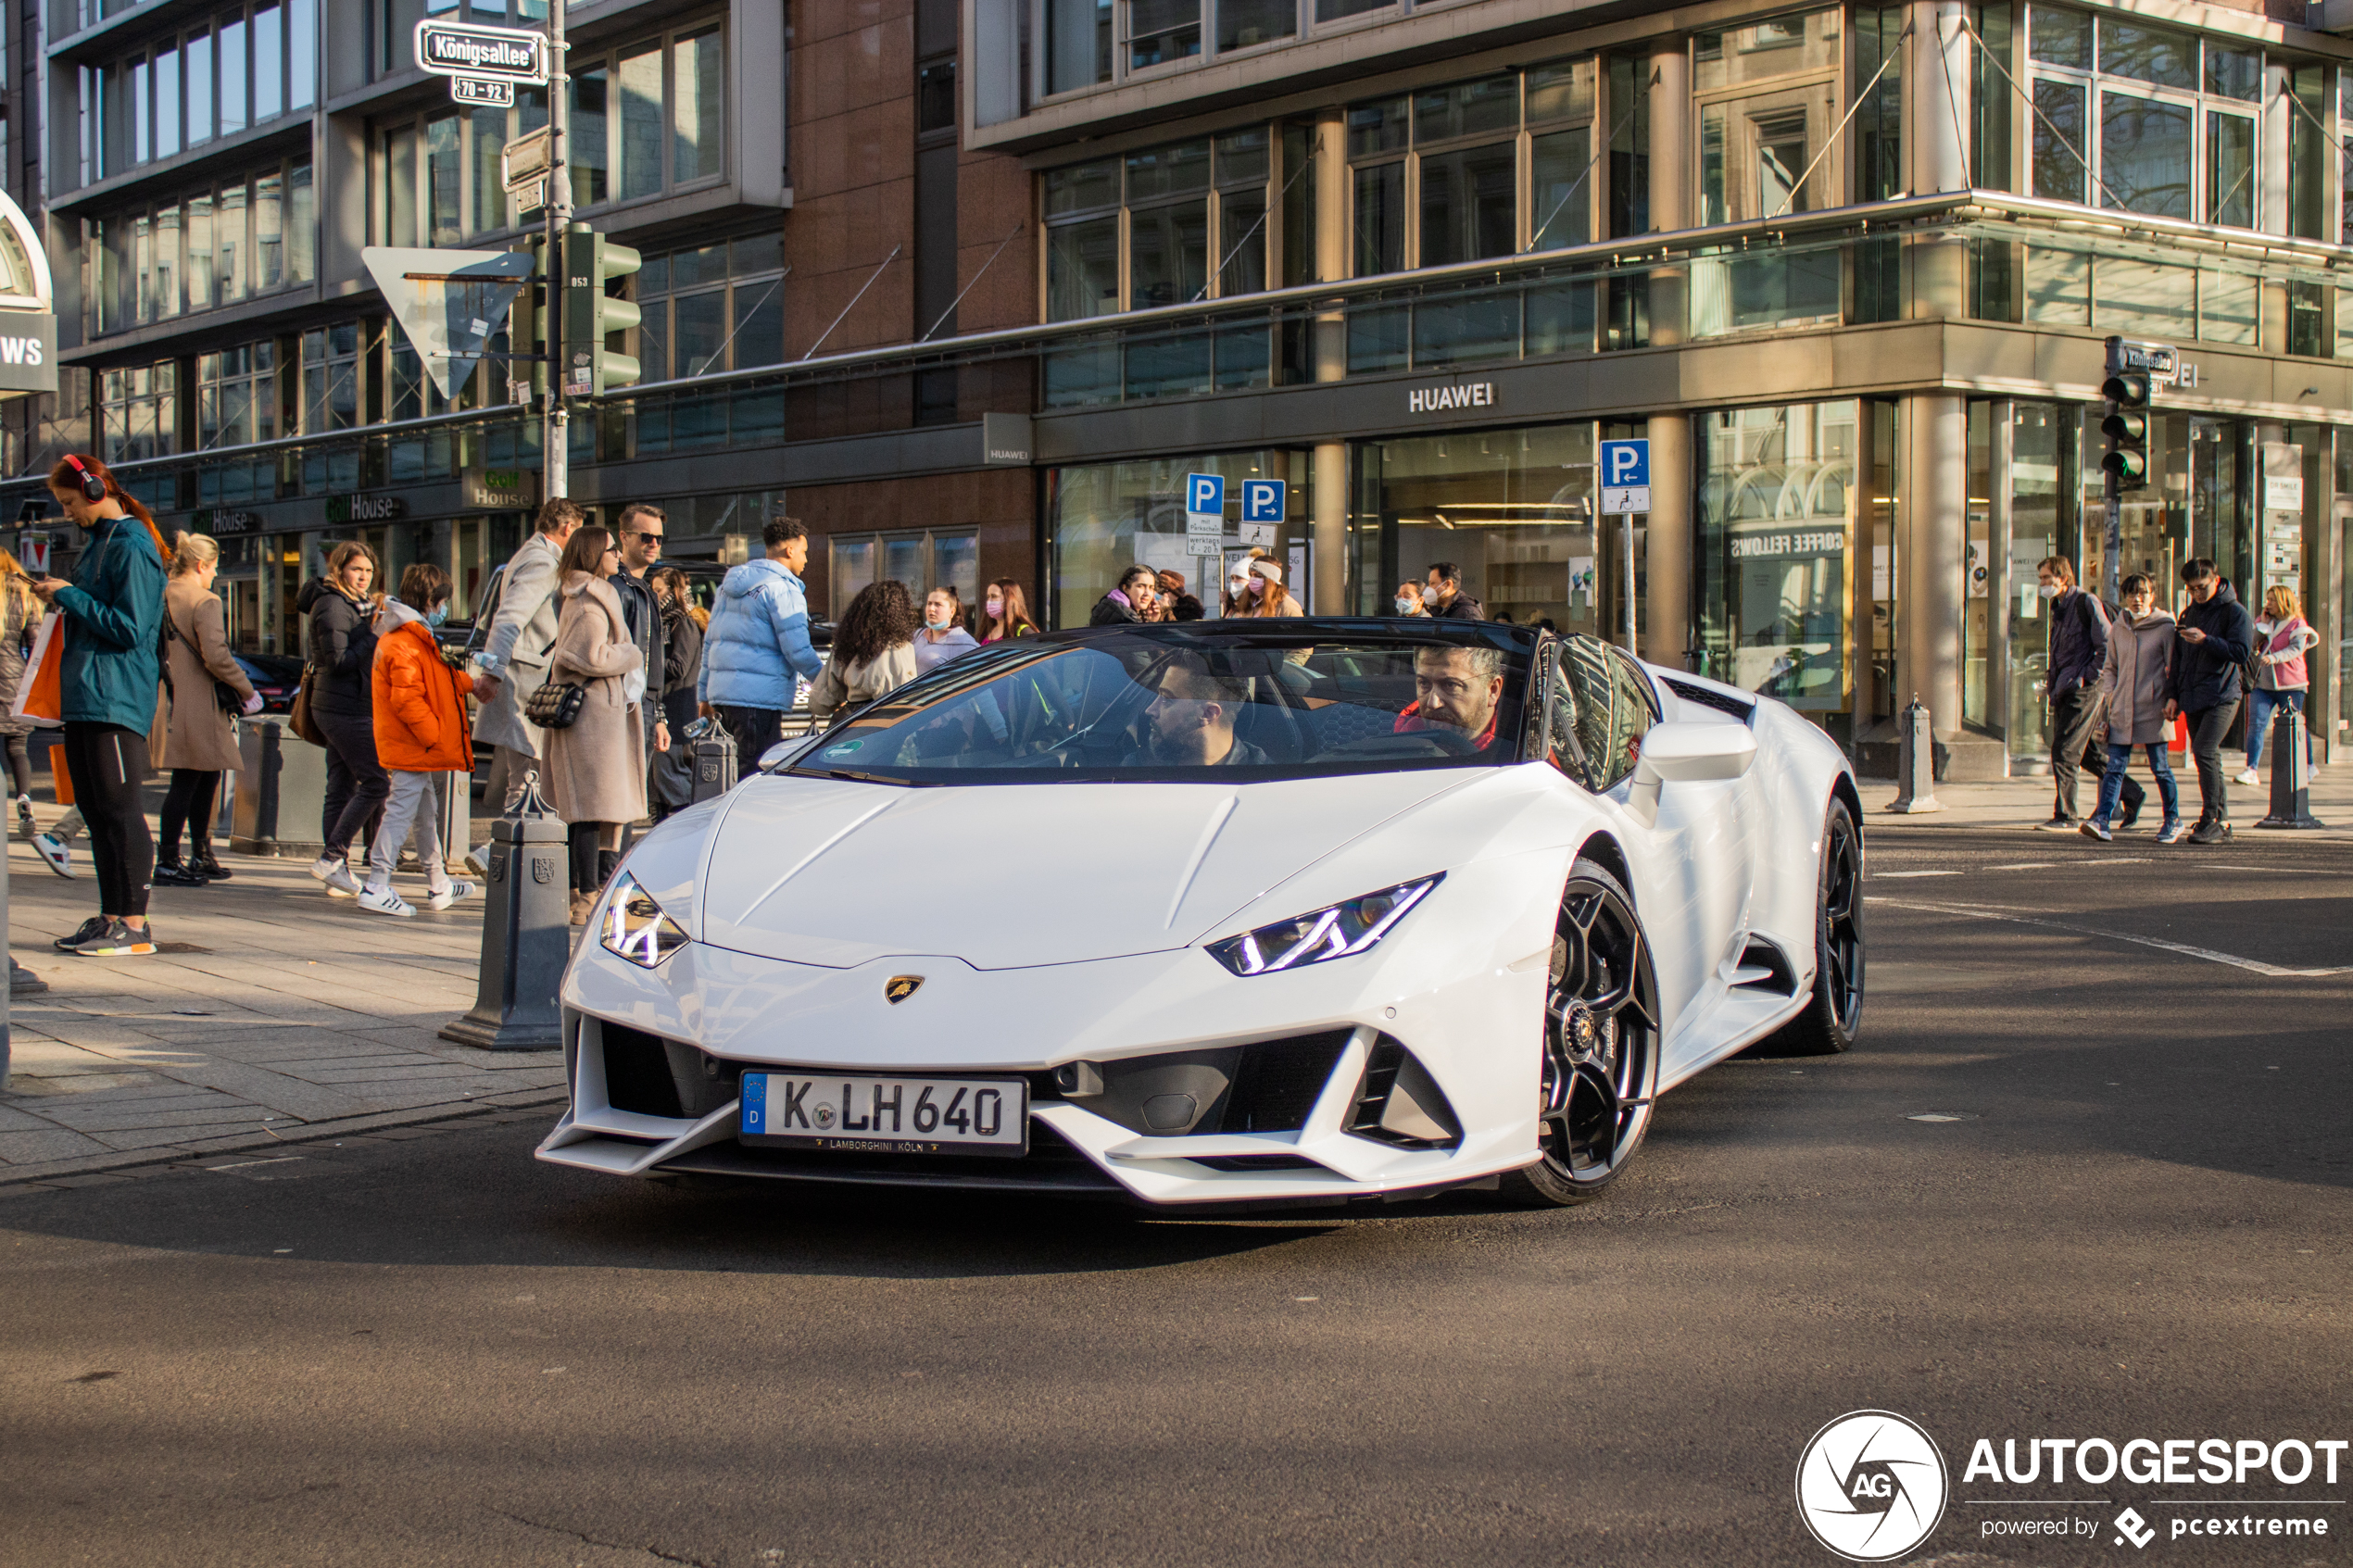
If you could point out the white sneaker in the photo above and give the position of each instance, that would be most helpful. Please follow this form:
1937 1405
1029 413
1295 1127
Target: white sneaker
54 853
450 895
478 860
337 874
2246 776
385 901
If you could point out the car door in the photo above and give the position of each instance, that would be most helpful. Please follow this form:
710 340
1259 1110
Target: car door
1694 865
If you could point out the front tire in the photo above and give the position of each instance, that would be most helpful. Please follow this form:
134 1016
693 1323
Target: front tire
1600 1051
1834 1011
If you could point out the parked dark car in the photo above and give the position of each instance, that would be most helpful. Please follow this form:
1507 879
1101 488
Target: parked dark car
275 676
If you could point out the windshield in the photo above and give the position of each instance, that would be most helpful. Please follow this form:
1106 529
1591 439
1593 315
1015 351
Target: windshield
1201 700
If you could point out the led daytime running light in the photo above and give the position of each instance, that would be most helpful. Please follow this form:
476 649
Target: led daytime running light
1323 935
634 927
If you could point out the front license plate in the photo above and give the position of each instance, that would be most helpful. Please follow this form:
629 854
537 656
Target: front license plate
859 1115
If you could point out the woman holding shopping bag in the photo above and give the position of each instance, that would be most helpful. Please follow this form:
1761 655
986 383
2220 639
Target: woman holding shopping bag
191 734
107 674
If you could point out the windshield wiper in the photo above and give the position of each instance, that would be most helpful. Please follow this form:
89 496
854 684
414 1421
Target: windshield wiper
856 777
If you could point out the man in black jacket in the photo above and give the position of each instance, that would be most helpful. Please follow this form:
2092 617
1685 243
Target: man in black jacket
2079 650
1442 595
2216 637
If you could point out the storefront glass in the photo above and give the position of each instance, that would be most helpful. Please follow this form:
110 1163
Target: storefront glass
1106 517
2035 534
1512 510
1777 507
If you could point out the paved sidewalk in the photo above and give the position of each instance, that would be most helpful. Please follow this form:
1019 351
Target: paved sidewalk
2023 803
272 1013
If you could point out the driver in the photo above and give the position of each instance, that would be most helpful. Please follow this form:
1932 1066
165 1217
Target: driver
1192 720
1455 689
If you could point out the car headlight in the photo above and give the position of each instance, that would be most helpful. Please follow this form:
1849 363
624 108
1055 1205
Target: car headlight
1321 935
633 926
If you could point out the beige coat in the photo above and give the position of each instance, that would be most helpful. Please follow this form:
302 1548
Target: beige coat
836 687
595 772
2139 658
189 730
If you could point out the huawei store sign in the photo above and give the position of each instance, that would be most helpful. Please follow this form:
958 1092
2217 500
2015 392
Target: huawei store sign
1444 399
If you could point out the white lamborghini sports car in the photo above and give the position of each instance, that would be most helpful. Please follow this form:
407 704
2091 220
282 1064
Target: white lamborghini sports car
1227 912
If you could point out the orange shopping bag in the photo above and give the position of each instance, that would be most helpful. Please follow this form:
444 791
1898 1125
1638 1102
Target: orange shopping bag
40 696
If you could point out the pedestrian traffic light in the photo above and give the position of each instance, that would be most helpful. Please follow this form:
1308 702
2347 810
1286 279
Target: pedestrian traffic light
591 315
530 316
2133 372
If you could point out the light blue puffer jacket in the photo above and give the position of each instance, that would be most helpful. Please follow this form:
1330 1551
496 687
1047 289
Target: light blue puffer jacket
758 639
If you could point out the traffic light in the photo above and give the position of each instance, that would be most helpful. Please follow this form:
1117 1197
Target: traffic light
531 316
591 314
2132 369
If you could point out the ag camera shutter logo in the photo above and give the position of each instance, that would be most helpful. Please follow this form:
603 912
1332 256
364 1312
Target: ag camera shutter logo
1871 1485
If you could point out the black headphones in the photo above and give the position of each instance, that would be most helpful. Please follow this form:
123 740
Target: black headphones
93 489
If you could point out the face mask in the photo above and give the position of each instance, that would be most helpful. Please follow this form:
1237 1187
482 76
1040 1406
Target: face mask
1258 587
437 615
2049 590
996 607
1406 606
936 625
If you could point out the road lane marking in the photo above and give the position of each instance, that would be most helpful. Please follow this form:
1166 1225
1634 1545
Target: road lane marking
1891 876
2275 971
249 1164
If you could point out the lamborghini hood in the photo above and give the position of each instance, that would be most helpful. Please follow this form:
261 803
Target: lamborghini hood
837 873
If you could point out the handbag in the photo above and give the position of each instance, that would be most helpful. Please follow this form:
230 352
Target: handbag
300 719
40 695
223 692
557 705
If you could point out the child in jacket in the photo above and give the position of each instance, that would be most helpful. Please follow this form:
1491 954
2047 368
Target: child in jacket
420 702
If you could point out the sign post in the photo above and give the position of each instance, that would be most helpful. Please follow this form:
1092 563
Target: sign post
1626 489
1205 513
1265 505
448 302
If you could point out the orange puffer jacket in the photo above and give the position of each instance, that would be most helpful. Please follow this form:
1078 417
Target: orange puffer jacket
419 701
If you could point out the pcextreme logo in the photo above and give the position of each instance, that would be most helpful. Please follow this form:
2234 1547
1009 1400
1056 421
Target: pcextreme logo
1871 1485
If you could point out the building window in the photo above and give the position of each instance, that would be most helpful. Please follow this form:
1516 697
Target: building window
1435 179
1077 44
1245 24
230 72
2142 118
647 118
216 245
138 415
330 379
237 395
1194 215
920 561
715 307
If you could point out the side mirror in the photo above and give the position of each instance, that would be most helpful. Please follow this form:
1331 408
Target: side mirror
1689 751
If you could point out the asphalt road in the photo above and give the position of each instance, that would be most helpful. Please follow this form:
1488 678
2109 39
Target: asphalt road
430 1350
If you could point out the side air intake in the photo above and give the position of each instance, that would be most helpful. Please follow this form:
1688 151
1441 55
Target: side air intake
1764 967
1398 1102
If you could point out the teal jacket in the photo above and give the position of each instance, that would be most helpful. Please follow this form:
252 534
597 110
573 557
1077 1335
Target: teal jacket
114 615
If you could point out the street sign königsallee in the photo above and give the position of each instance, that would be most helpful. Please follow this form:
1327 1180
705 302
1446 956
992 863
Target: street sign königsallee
449 302
507 54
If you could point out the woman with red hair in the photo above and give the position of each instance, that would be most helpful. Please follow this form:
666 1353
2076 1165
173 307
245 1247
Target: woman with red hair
107 680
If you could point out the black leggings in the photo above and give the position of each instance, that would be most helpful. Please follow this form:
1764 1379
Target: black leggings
188 801
108 766
357 785
590 860
21 764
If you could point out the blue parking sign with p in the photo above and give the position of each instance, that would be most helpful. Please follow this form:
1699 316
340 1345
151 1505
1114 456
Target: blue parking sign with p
1262 500
1205 493
1626 463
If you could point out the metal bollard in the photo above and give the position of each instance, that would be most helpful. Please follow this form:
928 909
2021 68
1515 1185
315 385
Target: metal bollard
1916 763
714 761
526 933
2291 774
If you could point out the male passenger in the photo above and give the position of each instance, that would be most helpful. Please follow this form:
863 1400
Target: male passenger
758 644
1442 595
2079 709
1192 720
1455 689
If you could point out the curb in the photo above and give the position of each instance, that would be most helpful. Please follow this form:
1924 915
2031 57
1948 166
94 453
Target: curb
63 1170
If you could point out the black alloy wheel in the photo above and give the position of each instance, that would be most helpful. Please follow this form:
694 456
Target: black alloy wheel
1600 1054
1833 1013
